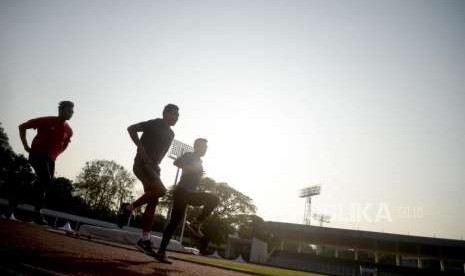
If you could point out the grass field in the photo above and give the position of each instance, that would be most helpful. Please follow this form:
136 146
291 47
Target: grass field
245 267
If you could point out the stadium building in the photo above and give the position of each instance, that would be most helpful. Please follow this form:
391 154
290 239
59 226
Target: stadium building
349 252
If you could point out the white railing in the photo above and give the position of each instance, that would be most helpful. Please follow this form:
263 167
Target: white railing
69 217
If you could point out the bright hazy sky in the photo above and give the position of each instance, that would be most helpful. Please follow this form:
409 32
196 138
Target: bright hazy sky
364 97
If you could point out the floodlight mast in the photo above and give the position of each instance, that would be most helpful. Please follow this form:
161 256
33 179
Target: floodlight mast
308 193
177 150
322 218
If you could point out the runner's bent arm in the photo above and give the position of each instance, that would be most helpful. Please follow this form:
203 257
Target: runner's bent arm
68 140
185 166
133 130
65 145
22 134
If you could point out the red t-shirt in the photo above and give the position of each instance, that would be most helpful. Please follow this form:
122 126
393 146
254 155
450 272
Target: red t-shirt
52 134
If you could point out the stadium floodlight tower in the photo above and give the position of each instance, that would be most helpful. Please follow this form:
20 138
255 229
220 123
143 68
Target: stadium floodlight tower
308 193
177 150
322 218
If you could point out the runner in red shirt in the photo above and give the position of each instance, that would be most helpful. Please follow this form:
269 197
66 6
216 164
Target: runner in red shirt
53 136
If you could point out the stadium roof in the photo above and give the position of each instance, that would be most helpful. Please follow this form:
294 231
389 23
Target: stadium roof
366 240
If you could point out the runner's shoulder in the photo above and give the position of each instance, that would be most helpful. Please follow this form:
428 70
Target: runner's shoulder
42 121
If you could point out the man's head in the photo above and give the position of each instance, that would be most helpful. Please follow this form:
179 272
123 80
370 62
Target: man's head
171 114
200 146
65 110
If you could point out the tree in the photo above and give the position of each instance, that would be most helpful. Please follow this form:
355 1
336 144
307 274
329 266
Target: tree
15 172
6 158
103 185
4 141
232 202
231 213
248 226
235 213
20 178
60 195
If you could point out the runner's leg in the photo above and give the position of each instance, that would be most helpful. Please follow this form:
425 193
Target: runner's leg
177 214
209 202
44 169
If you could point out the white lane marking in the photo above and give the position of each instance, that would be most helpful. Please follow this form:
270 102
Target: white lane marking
11 271
44 270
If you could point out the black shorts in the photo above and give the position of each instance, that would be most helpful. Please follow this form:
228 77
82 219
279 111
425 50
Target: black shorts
44 167
148 175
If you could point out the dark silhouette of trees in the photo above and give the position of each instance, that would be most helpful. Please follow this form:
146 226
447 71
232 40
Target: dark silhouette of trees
233 215
103 185
16 174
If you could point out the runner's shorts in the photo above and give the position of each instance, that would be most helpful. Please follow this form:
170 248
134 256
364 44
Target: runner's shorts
149 176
